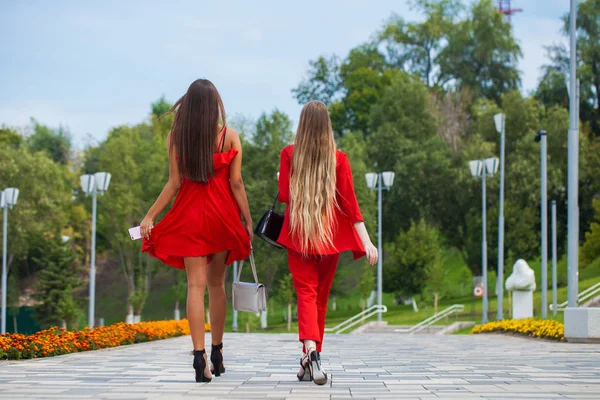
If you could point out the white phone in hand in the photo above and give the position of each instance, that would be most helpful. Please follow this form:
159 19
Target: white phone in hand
135 233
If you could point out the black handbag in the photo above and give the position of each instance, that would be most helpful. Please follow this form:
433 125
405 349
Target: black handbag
269 226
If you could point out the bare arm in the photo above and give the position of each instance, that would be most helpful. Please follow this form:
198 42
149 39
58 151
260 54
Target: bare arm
370 249
236 181
166 195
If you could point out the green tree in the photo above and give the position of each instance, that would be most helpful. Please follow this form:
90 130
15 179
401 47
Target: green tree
481 53
349 88
552 89
9 137
56 142
436 274
366 284
262 148
323 82
591 248
57 282
287 295
588 59
415 46
12 300
43 205
137 159
179 290
410 256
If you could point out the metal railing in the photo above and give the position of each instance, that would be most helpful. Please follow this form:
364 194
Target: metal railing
456 308
583 296
357 319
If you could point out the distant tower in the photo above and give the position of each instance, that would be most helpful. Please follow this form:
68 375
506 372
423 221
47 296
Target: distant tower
505 8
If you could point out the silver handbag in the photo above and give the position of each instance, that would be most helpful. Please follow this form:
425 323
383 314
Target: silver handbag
247 296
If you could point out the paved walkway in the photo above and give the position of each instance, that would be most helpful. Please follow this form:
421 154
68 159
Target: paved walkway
361 366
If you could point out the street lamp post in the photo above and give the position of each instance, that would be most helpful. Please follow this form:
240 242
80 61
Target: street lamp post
379 181
482 169
499 121
94 185
8 199
234 324
573 165
554 255
541 137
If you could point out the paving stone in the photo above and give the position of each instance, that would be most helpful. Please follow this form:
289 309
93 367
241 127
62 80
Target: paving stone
371 366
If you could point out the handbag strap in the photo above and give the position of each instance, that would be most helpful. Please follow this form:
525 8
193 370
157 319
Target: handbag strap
252 265
274 201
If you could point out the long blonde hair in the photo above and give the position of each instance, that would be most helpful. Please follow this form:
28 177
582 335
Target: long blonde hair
313 179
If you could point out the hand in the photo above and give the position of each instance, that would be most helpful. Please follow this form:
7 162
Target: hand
146 227
249 230
277 176
372 253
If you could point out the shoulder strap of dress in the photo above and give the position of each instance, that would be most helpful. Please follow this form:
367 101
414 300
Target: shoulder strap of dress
222 142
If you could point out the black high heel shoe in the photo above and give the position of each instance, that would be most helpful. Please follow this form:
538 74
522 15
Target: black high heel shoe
304 373
317 374
216 359
200 366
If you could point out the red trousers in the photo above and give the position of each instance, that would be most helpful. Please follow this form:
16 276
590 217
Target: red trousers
312 276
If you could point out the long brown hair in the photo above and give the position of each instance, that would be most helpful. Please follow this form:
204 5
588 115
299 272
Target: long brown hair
313 179
194 131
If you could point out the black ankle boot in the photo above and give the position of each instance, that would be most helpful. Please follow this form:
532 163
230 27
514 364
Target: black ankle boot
216 359
200 366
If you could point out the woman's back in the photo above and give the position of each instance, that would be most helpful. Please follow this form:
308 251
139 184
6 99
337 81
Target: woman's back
205 174
346 211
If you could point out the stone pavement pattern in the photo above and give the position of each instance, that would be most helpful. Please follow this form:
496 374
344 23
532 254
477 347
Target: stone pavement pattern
369 366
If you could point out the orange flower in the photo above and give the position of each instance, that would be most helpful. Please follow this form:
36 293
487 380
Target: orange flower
57 341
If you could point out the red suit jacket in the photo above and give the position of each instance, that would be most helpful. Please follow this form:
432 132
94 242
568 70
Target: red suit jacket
346 215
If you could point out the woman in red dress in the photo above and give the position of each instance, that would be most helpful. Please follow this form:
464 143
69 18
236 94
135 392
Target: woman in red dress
203 231
322 220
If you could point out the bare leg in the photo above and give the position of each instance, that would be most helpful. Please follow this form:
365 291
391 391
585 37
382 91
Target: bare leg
216 293
195 268
310 345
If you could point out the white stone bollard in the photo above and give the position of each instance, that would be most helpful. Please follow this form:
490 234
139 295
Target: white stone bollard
522 284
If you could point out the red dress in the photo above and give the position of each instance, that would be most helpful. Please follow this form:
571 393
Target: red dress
345 237
204 220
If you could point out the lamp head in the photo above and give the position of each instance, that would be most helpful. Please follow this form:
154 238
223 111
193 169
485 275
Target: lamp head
371 178
476 167
388 178
10 197
539 135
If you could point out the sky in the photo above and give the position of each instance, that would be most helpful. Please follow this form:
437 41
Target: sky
94 65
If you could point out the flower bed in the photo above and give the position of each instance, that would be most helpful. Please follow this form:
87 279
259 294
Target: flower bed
547 329
57 341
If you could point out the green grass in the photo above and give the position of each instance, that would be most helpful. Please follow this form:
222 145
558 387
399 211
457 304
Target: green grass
464 331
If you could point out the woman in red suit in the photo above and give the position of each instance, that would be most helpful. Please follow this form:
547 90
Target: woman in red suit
322 220
203 232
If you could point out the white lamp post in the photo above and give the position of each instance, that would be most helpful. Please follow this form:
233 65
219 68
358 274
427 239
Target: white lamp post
499 121
234 323
541 137
379 182
573 165
482 169
8 199
94 185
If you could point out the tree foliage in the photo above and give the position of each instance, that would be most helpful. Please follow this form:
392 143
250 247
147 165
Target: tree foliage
58 280
410 257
